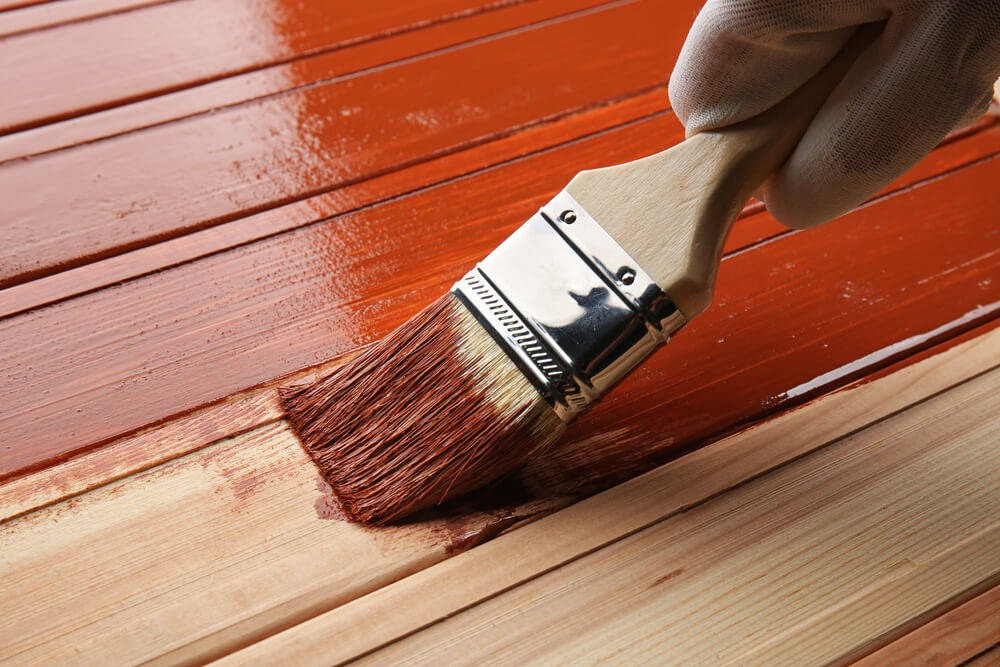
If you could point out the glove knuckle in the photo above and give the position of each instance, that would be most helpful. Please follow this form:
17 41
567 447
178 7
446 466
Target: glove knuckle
756 20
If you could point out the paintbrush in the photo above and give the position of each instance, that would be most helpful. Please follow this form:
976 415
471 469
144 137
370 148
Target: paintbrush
492 372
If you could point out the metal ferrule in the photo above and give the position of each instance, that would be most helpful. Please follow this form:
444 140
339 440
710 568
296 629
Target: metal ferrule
569 306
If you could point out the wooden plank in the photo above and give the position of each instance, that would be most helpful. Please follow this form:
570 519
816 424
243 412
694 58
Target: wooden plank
801 565
244 546
198 556
950 639
169 180
58 72
222 93
432 594
114 361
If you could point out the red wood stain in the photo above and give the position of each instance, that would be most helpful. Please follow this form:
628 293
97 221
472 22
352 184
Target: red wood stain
176 44
91 368
309 70
327 505
169 180
415 170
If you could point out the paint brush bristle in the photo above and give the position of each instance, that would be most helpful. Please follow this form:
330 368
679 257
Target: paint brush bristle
433 411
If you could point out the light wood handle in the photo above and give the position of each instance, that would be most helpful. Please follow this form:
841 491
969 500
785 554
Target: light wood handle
673 211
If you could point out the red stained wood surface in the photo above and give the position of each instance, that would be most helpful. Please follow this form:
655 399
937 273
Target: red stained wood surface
173 179
90 368
286 76
153 49
337 194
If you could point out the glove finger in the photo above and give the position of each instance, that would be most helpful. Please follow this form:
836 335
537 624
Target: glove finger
742 57
929 71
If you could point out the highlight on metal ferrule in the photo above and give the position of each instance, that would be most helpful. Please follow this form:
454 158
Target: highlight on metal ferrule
568 305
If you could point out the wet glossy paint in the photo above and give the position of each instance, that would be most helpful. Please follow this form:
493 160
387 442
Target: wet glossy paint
269 294
174 179
153 49
93 367
275 79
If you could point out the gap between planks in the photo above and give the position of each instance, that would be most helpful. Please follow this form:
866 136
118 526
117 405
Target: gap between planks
225 38
192 173
434 594
949 639
590 123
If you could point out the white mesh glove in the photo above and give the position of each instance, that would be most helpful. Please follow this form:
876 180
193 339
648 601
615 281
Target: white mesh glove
930 71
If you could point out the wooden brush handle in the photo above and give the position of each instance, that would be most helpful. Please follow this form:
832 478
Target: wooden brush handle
673 211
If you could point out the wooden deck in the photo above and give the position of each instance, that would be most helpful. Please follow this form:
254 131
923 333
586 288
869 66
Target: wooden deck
203 199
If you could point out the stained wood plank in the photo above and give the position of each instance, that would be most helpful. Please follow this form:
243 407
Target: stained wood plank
59 72
114 361
232 90
173 179
959 148
447 588
192 246
242 550
950 639
801 565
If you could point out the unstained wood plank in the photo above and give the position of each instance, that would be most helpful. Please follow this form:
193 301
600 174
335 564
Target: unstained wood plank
800 566
199 556
954 637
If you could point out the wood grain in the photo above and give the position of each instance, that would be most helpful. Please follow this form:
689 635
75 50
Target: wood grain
800 565
198 556
432 595
988 658
244 547
959 148
149 349
950 639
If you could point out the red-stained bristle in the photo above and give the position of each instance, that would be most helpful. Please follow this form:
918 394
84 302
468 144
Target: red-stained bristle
433 411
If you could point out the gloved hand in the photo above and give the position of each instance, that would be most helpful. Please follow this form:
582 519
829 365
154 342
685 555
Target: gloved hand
931 70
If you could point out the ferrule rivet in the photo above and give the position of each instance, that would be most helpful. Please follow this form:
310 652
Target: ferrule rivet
626 275
569 217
